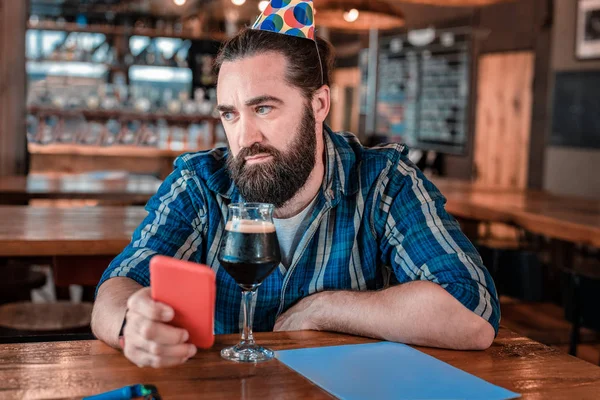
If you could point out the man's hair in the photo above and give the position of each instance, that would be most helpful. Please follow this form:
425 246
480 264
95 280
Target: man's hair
304 71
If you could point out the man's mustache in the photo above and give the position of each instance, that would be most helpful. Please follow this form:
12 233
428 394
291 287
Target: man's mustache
255 150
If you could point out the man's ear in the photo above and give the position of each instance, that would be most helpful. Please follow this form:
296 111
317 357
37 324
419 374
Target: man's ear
321 102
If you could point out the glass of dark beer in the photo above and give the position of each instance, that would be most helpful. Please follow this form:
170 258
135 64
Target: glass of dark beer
249 253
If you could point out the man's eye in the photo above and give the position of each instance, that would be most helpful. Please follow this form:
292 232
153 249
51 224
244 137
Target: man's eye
227 116
262 110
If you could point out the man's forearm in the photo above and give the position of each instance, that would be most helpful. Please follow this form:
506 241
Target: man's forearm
419 313
109 308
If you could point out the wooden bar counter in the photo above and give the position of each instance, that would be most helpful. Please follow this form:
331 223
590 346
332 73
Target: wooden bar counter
48 231
69 370
78 242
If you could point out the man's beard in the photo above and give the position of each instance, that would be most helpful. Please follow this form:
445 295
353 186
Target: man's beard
278 180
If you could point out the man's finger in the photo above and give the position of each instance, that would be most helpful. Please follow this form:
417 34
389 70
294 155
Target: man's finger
181 351
144 359
141 302
155 331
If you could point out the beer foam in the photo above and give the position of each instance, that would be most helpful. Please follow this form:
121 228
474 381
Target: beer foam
247 226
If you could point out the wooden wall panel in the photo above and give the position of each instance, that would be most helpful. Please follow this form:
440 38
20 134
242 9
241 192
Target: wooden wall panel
514 26
13 18
345 78
504 105
3 86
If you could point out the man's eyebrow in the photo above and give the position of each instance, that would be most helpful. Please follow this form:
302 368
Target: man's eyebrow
263 99
225 108
252 102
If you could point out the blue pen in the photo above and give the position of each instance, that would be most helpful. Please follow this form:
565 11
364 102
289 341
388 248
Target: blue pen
148 392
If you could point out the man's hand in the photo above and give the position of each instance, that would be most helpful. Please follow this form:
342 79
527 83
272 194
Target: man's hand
149 341
302 316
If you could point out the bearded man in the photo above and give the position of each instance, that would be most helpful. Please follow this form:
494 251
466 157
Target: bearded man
367 246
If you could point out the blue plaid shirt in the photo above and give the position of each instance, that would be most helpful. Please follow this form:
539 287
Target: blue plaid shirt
377 221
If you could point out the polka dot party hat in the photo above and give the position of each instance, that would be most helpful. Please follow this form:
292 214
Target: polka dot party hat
290 17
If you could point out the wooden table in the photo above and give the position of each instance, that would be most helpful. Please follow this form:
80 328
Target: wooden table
123 188
47 231
79 242
564 218
76 369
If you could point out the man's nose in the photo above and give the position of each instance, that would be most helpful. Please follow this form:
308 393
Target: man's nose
249 133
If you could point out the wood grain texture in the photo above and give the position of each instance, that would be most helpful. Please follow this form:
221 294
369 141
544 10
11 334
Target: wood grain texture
160 166
29 231
108 151
76 369
504 102
13 17
565 218
344 78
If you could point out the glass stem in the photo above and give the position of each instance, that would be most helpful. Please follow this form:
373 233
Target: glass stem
248 297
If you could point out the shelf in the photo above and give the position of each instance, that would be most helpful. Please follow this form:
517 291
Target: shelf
115 66
122 115
122 31
49 60
67 68
108 151
126 67
112 67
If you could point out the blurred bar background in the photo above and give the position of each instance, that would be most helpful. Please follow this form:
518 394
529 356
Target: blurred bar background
498 100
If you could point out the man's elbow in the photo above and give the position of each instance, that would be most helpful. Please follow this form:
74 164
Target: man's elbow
482 335
95 323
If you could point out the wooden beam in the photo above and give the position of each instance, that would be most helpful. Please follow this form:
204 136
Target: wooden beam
542 90
13 146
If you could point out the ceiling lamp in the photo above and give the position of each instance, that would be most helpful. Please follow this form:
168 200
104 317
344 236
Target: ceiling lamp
457 3
351 15
262 6
359 15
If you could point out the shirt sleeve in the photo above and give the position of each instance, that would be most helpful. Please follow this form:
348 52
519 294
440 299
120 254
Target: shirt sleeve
173 227
421 241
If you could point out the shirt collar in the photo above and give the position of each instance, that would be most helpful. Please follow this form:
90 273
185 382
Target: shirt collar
340 169
341 164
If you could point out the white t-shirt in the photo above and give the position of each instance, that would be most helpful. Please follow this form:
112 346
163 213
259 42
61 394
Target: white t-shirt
289 233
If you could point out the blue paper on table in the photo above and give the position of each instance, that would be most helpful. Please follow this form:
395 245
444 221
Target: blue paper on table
387 371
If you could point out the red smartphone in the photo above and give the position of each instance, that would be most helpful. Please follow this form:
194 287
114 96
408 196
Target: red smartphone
190 289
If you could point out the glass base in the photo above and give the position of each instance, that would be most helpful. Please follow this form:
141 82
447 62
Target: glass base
247 352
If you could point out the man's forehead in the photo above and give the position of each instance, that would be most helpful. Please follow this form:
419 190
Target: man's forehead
270 66
249 77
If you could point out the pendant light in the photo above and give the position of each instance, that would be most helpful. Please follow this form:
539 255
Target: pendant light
359 15
456 3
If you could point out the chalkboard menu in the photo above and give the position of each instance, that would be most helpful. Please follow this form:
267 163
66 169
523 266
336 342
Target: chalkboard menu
423 92
576 111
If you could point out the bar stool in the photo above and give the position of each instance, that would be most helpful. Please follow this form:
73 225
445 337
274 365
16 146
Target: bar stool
22 320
